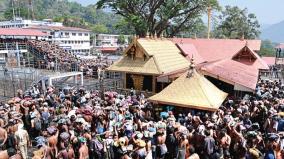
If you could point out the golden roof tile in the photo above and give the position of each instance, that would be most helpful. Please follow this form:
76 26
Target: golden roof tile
126 64
162 53
191 92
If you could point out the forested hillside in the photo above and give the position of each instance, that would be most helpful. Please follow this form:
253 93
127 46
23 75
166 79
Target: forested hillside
70 13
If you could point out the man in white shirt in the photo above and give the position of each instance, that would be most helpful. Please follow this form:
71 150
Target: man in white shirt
22 140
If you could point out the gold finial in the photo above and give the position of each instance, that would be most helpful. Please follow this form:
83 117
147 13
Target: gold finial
247 43
162 35
243 37
191 68
147 35
195 37
155 35
134 41
192 63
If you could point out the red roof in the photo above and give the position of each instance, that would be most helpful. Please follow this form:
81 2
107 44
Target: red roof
257 63
20 32
63 28
231 71
108 49
281 45
269 60
189 51
216 49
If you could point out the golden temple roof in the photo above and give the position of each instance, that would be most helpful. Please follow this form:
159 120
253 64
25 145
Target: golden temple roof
161 56
126 64
191 91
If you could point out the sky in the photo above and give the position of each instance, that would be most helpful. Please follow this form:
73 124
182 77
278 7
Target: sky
267 11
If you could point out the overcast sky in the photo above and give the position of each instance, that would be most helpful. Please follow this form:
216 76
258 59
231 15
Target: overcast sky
267 11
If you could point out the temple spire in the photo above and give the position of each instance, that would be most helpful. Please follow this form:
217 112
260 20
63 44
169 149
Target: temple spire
191 68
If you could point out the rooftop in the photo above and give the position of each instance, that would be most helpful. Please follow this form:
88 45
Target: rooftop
161 56
216 49
191 90
232 72
20 32
269 60
58 28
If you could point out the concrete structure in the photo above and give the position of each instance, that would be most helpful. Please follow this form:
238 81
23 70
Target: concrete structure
21 23
108 43
73 40
50 78
13 44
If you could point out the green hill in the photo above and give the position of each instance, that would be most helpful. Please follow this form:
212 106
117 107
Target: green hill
274 32
69 12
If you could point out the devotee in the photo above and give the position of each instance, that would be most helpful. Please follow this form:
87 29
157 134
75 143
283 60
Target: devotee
23 141
83 123
58 59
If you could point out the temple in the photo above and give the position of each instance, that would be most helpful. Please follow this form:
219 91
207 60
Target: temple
232 65
191 90
145 60
151 64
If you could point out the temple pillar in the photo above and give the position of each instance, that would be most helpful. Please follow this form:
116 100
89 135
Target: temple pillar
82 79
154 84
124 80
49 81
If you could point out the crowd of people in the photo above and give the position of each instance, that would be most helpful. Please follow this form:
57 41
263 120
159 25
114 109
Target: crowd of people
87 124
56 58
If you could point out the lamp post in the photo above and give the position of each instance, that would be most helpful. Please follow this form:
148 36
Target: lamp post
101 73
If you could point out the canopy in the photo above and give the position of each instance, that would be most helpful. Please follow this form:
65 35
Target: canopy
191 90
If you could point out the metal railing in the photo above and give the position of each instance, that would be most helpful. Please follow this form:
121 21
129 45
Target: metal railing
13 79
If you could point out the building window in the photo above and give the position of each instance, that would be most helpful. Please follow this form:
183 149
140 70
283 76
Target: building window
86 34
80 34
66 33
73 34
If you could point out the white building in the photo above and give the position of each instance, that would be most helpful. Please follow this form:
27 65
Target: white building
108 43
12 51
21 23
107 40
74 40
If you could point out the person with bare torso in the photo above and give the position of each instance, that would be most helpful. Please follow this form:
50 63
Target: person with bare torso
52 141
161 146
83 150
3 137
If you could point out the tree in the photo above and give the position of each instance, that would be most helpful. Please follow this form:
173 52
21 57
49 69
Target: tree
99 28
267 48
157 16
68 12
123 27
235 23
121 39
199 30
